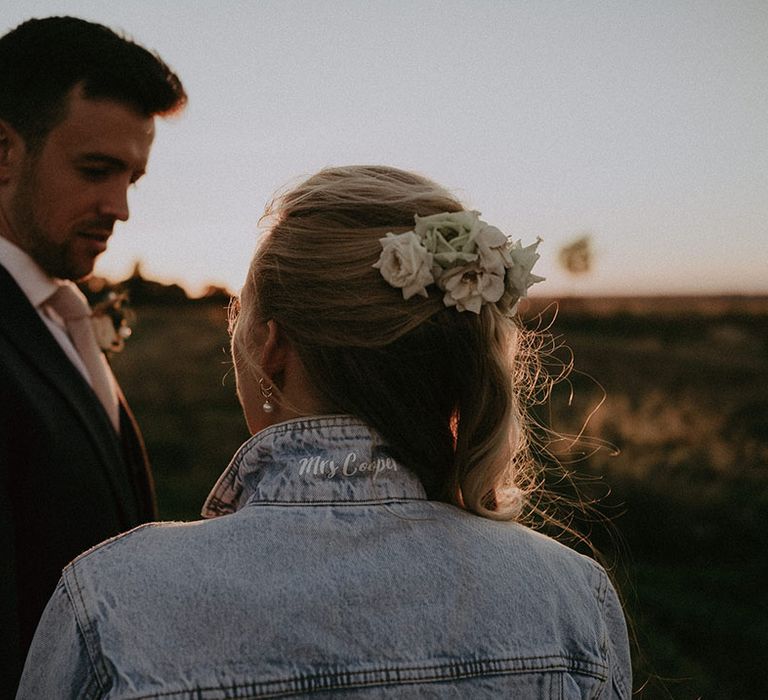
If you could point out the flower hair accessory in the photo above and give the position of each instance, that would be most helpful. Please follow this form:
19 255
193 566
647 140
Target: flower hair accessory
472 262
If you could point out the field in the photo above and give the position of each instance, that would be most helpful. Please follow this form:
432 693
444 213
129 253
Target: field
672 397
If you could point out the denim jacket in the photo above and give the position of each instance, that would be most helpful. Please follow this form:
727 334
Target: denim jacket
323 567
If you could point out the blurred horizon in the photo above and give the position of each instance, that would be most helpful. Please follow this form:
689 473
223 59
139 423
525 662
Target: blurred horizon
150 290
199 289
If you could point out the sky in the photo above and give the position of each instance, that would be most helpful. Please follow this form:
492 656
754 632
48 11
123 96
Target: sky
642 124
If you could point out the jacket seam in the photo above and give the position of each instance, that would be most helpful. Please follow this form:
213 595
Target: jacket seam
457 670
602 598
85 627
349 503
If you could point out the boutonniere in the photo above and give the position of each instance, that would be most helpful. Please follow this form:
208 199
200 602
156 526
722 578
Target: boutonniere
110 319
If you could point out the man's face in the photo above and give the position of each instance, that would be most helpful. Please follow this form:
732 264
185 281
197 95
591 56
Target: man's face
69 195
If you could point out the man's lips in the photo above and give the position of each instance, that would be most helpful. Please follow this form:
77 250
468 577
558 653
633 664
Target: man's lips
97 240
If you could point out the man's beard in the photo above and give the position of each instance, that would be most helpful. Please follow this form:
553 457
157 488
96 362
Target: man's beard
52 257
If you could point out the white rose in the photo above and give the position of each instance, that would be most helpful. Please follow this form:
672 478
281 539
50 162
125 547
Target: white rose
492 249
467 287
405 263
450 236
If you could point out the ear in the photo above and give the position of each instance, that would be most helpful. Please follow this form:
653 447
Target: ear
12 150
275 351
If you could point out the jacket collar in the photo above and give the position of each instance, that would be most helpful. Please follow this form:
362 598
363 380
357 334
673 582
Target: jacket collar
319 459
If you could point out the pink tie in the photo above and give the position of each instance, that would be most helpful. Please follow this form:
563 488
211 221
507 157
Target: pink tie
72 306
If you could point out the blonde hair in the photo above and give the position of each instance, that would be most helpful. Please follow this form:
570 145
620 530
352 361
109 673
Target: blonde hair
444 389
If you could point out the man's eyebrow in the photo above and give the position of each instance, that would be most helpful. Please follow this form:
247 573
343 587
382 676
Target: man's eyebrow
104 159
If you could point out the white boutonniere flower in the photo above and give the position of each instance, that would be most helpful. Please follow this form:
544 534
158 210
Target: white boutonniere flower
109 320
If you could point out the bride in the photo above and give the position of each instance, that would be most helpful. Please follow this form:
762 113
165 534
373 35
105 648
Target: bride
370 537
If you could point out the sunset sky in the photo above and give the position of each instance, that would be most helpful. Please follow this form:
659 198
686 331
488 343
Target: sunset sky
643 124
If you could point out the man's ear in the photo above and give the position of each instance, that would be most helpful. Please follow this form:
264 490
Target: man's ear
12 149
275 351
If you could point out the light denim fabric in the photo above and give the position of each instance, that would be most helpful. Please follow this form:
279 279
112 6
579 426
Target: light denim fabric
325 570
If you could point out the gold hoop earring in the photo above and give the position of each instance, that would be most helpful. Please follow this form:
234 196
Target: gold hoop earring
266 392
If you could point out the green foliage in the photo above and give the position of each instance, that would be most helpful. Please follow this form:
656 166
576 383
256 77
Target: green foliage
177 375
681 398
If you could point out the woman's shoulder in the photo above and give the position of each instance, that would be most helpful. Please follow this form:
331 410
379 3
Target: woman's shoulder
144 547
515 541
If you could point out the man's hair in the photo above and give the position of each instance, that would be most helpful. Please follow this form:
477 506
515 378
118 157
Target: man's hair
41 61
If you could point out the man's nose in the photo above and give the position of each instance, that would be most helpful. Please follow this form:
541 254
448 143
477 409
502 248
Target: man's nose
115 204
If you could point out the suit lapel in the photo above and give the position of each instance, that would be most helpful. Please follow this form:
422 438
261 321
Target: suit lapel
21 324
138 462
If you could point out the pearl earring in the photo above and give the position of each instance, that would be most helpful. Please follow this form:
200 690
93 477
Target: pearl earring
266 392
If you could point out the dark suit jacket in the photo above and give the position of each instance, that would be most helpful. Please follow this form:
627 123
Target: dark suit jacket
67 479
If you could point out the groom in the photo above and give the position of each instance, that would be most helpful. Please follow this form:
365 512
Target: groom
77 108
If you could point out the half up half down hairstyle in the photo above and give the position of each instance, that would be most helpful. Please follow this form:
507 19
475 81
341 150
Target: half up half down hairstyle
444 389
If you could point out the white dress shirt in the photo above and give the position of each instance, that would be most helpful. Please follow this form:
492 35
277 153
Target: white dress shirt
38 288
